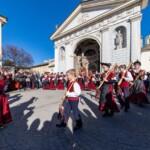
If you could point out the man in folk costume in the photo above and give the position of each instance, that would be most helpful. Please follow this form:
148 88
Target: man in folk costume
5 114
91 84
123 91
138 88
72 97
107 102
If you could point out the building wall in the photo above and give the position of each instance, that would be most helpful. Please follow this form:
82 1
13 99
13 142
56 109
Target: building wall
41 69
145 60
103 33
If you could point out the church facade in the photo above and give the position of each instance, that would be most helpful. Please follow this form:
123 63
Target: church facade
99 31
3 20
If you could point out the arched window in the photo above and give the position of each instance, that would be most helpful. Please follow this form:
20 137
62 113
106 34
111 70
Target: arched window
121 37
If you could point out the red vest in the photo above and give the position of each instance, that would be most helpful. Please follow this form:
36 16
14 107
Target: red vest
124 84
71 90
110 76
134 74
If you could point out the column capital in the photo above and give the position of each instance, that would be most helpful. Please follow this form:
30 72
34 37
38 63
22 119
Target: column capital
136 17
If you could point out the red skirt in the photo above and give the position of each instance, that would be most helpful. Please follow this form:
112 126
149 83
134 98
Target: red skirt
91 86
140 97
45 87
82 86
110 103
52 86
5 114
60 86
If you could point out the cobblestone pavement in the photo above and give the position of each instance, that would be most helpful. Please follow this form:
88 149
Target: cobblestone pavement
35 115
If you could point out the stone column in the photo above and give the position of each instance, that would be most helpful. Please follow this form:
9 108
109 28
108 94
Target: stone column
136 37
56 59
0 44
105 45
69 57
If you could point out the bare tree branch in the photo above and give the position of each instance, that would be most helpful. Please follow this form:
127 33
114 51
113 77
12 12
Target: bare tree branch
16 57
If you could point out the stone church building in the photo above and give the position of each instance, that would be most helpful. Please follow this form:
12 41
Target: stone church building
99 31
3 20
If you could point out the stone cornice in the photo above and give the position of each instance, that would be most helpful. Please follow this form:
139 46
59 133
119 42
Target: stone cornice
101 3
144 3
137 17
57 34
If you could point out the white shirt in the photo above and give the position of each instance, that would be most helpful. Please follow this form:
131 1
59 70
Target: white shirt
128 78
77 91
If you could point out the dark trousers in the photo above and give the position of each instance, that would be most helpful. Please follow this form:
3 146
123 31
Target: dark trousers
27 84
123 97
72 106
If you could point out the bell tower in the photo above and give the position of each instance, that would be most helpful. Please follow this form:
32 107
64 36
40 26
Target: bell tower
148 40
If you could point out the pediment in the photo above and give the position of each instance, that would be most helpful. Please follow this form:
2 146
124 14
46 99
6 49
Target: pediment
85 12
86 15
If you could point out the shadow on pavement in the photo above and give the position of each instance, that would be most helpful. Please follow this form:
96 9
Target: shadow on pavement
123 131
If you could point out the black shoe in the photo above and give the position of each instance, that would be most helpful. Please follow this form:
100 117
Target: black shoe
61 125
121 106
140 104
126 109
106 114
111 113
79 125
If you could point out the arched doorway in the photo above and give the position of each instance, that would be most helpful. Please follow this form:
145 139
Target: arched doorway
87 52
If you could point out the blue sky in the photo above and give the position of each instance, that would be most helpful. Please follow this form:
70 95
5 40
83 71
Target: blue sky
31 22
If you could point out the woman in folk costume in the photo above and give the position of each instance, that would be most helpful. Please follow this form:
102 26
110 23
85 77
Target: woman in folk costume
45 82
60 85
138 95
123 92
91 85
97 92
51 85
107 101
83 73
5 114
81 81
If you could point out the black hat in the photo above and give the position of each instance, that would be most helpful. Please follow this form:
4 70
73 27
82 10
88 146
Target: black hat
137 62
105 64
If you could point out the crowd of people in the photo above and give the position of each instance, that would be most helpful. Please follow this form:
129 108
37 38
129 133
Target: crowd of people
122 83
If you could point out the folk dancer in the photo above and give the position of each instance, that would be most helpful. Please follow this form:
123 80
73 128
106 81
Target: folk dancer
123 91
107 102
5 113
72 97
138 95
